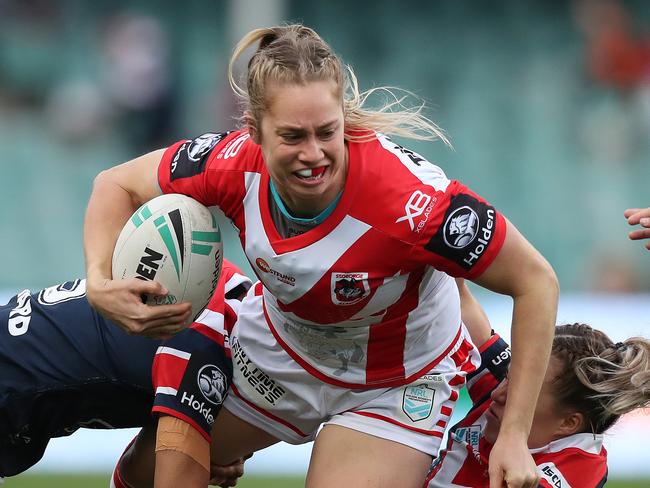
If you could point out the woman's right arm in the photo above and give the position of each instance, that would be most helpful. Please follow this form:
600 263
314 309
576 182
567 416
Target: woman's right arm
117 193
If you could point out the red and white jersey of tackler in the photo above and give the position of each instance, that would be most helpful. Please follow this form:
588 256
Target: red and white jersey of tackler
364 298
578 461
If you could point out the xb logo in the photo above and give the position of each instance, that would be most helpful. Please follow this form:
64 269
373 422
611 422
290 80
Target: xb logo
415 207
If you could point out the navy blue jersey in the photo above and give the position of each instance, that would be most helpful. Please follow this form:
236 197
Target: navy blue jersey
63 366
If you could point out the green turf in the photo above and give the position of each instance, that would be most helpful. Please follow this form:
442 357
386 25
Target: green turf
101 481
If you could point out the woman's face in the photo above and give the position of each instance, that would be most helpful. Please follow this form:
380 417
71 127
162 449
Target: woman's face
301 135
550 419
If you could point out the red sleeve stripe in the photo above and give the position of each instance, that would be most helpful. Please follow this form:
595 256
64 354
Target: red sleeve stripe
446 411
173 413
168 370
433 433
495 337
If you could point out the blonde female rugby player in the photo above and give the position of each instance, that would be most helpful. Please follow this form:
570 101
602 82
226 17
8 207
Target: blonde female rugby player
355 322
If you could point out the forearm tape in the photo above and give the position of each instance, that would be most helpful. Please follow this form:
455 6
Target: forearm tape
177 435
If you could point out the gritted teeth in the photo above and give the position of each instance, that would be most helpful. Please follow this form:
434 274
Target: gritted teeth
311 172
304 173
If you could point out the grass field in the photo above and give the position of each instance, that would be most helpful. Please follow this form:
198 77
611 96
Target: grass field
101 481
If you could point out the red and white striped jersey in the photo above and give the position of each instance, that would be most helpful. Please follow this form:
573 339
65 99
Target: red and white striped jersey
364 298
192 371
576 461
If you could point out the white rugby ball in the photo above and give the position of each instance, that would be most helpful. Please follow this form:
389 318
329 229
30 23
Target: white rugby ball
176 241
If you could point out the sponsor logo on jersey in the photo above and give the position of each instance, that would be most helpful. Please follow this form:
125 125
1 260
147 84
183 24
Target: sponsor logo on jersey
212 383
467 231
191 157
349 288
21 315
412 156
468 435
553 476
266 268
202 145
417 402
460 228
418 204
232 148
261 382
198 406
501 357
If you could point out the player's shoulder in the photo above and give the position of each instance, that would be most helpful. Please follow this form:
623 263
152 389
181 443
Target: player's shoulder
393 164
400 182
229 150
579 458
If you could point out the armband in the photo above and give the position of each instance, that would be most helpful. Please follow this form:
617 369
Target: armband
495 357
177 435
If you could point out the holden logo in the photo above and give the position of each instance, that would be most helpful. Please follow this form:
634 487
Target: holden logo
212 383
263 265
461 227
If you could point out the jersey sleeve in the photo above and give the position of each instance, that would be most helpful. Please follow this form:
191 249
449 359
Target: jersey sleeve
465 235
236 283
192 371
495 360
209 168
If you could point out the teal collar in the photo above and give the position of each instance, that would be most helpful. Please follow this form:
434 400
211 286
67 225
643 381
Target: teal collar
314 220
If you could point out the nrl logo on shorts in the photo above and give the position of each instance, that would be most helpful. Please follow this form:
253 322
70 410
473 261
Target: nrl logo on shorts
212 383
349 288
417 403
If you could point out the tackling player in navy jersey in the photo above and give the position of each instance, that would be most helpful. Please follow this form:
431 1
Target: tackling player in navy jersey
63 367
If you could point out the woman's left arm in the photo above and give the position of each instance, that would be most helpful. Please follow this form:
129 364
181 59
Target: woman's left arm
520 271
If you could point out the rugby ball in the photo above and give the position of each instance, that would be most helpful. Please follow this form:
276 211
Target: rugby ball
175 240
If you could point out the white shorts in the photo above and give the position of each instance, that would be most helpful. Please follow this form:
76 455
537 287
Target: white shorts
290 404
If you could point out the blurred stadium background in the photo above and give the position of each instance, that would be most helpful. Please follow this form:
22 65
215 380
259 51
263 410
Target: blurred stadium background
547 104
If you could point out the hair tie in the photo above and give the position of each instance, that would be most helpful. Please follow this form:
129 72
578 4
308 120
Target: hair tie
620 345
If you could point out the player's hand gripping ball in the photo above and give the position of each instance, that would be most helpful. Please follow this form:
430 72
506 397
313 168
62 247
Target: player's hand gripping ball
175 240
